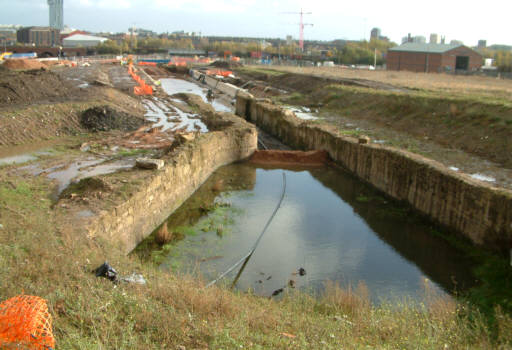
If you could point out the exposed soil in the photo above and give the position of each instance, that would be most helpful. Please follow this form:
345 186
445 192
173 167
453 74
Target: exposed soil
32 86
40 105
225 65
105 118
24 64
307 83
468 134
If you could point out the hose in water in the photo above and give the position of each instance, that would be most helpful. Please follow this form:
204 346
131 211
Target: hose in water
248 255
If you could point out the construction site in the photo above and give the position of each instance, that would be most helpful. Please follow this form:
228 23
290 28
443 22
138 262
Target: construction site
233 206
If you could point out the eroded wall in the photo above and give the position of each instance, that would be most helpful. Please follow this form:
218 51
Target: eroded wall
478 211
133 220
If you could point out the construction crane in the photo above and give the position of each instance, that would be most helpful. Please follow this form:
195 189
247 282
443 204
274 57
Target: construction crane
301 25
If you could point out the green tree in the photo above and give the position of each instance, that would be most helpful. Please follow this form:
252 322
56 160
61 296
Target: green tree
109 47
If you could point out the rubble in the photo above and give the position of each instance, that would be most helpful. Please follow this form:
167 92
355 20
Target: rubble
148 163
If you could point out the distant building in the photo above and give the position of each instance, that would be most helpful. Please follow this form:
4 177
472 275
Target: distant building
145 33
435 38
375 33
428 58
289 40
39 36
56 14
482 44
64 35
8 35
81 40
456 42
419 39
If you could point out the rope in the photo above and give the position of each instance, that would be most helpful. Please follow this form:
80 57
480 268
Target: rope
248 255
262 144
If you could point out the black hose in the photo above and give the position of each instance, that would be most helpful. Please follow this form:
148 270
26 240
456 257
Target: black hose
246 257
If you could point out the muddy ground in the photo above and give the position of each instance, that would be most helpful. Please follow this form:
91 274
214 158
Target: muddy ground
71 125
467 134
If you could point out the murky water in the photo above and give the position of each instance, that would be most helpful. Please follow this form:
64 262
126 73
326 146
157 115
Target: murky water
303 113
82 169
24 153
171 118
174 86
332 225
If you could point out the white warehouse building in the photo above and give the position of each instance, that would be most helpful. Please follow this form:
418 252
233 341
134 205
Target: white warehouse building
81 40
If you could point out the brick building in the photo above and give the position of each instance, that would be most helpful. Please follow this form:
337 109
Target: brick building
39 36
437 58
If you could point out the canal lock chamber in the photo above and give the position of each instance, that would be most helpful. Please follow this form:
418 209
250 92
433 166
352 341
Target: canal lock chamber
335 227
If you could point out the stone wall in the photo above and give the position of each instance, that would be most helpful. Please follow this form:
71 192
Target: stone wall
133 220
477 210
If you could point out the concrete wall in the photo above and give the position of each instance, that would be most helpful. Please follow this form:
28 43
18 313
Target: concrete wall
228 89
478 211
132 221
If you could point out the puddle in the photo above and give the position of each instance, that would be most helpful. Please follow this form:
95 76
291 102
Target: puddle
85 168
303 113
23 158
332 225
171 118
174 86
483 177
24 153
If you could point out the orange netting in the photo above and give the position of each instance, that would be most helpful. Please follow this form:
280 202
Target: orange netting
25 322
143 88
223 73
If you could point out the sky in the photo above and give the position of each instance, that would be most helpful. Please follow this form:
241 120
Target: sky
467 20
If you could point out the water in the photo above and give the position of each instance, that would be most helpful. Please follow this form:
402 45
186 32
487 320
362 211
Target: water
174 86
24 153
303 113
171 118
332 225
82 169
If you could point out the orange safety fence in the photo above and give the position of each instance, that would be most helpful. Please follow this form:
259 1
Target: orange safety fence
142 63
25 323
143 88
222 73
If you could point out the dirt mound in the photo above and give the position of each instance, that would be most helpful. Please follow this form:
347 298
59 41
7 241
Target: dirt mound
24 64
155 72
225 65
105 118
177 69
32 86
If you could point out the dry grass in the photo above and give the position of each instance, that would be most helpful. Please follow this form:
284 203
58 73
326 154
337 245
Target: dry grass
461 85
163 235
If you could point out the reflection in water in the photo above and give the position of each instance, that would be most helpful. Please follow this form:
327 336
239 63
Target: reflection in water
332 225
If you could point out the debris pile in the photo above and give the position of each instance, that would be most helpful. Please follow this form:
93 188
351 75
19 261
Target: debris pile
24 64
105 118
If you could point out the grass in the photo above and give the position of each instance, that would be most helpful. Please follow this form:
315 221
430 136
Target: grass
484 88
252 70
475 126
42 253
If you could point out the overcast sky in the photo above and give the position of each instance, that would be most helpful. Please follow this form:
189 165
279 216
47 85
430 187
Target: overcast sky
467 20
